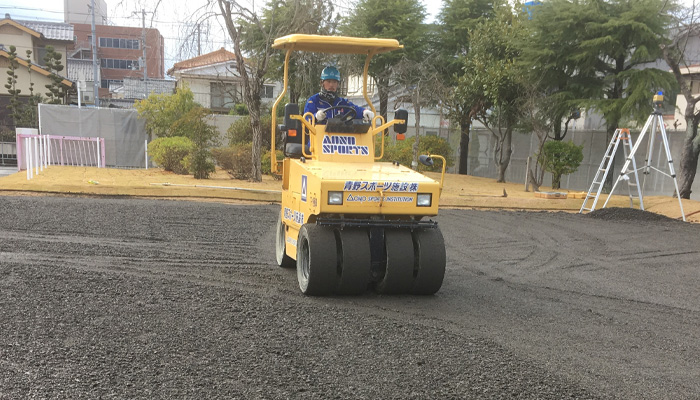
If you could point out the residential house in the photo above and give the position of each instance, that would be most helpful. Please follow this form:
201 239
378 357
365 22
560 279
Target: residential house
35 36
215 82
693 72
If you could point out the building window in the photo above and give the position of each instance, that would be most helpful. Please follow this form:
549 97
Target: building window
694 86
267 92
112 63
119 43
105 82
223 95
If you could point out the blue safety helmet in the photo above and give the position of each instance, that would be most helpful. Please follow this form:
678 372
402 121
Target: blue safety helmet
330 73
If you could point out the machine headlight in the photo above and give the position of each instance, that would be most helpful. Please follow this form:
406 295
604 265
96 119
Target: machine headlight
424 199
335 198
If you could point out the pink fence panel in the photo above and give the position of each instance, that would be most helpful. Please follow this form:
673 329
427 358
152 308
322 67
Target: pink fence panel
35 152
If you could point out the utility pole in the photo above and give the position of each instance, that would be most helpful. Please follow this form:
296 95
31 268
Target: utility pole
95 77
145 60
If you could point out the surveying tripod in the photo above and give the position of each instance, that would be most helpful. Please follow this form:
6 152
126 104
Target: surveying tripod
656 123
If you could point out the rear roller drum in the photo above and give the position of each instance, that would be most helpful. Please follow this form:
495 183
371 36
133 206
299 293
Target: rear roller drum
398 277
429 257
283 260
317 260
354 266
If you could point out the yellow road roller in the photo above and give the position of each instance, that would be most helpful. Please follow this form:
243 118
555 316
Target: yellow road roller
349 222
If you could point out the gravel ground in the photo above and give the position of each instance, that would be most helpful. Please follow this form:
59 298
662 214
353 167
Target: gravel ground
124 298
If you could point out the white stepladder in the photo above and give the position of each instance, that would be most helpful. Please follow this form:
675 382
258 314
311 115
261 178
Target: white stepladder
656 123
623 136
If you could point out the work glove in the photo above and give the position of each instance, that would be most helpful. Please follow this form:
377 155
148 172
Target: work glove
367 115
320 115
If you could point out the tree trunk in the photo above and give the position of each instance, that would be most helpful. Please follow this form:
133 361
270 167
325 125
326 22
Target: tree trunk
534 181
505 152
254 111
464 148
416 110
689 155
607 187
383 89
556 181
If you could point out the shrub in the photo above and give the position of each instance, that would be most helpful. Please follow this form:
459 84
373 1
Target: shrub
561 158
170 153
402 151
265 162
161 111
235 159
239 109
194 125
241 132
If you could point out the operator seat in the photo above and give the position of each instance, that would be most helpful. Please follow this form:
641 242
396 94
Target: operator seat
292 132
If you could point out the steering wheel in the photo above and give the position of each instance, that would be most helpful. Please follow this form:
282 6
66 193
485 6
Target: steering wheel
348 116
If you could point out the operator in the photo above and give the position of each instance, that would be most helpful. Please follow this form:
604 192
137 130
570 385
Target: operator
328 97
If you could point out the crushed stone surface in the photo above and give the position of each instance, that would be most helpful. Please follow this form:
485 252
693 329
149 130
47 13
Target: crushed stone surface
125 298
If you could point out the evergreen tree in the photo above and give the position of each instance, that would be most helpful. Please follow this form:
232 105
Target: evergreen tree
457 18
56 89
391 19
492 84
30 116
15 105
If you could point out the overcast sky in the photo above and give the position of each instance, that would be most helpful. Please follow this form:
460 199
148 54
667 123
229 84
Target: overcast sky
174 23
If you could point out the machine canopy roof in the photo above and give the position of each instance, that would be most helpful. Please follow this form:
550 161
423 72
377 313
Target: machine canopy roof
336 44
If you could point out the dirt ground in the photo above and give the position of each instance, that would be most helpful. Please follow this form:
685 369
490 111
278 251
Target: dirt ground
459 190
134 298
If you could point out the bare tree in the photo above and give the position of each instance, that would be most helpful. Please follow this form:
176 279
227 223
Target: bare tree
254 34
675 55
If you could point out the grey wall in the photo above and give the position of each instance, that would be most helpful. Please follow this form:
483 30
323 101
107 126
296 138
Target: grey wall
594 146
123 132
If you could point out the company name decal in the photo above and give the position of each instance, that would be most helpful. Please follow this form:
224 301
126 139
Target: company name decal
343 145
293 215
358 186
375 199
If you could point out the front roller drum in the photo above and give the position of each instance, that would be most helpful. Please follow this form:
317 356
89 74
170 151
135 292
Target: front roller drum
317 260
429 258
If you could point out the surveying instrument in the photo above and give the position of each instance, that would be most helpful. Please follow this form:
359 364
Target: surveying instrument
629 169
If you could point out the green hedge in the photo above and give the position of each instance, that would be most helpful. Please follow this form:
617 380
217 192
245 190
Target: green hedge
402 151
171 153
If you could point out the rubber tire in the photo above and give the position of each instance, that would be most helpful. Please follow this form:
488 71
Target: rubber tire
398 278
355 261
430 260
317 260
283 260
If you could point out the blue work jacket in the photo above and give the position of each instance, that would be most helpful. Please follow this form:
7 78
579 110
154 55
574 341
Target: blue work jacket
315 103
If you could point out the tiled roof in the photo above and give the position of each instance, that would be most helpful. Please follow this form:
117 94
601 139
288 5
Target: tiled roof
218 56
51 30
134 88
79 69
